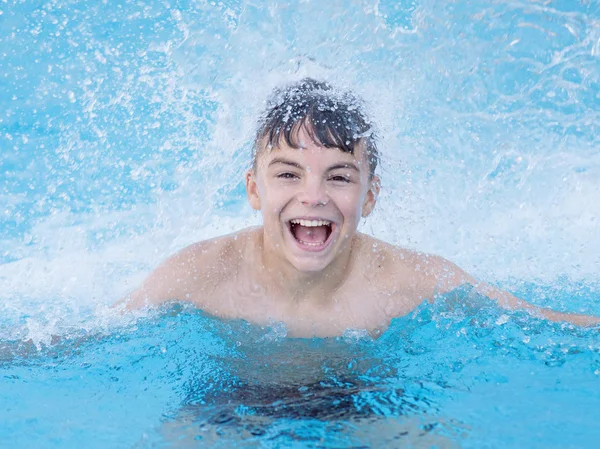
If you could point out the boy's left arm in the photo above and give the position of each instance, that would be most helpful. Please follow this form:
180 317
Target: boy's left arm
454 277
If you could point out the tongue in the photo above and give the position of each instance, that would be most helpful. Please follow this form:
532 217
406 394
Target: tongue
312 234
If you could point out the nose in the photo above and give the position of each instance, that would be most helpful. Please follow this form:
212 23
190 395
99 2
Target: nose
313 193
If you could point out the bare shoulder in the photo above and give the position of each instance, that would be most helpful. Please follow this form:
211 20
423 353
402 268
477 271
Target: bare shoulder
192 273
408 272
391 266
212 255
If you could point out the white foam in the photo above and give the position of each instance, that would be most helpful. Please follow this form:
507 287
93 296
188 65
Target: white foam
504 193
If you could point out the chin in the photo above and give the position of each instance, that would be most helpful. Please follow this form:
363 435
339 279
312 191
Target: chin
310 266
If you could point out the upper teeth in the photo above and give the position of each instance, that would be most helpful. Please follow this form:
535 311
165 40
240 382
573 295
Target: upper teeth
311 222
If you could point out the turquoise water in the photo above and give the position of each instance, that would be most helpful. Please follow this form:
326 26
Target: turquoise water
447 377
125 129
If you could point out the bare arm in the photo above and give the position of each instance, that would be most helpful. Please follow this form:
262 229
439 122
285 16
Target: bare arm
454 277
180 277
160 286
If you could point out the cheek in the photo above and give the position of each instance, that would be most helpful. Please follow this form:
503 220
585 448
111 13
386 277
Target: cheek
272 204
351 202
277 194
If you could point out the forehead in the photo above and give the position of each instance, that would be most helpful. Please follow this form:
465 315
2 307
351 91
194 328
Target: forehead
311 158
310 152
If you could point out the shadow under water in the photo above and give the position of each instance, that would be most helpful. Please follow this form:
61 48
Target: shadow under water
323 414
308 392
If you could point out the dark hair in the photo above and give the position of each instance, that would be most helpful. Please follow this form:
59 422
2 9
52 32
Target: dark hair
331 118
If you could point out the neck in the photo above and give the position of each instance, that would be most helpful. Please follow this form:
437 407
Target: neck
302 286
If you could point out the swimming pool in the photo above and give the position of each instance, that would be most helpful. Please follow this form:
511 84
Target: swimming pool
124 133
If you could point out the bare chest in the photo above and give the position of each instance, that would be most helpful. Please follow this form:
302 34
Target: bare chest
358 305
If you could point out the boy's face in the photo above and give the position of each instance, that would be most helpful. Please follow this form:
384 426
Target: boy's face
311 199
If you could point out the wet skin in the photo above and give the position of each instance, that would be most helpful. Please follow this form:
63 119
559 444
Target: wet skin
320 280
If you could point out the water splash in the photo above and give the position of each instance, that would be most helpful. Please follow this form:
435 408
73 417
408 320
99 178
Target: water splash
125 131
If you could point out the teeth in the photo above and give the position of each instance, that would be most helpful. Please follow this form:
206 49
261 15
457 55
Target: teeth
311 243
311 223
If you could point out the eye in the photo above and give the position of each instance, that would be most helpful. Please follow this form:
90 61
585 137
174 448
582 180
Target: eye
287 175
340 178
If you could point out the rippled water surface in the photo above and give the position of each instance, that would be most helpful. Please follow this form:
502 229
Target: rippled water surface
445 376
125 129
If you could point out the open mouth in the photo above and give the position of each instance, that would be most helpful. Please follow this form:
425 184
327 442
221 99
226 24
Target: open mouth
311 233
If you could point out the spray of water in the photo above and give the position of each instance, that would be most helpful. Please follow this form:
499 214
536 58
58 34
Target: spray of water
125 130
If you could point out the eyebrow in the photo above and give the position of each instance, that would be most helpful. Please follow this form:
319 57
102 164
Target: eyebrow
281 160
349 165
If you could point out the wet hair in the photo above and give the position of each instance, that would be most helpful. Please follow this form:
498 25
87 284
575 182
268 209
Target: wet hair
331 118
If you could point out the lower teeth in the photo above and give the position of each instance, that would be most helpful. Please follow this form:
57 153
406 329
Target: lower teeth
311 243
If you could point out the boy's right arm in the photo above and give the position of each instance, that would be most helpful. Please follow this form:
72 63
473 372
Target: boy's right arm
174 279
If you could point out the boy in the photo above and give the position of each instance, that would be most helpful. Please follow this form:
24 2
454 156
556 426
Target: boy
313 178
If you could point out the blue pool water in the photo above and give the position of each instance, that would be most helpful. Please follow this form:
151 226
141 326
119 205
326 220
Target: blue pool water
125 129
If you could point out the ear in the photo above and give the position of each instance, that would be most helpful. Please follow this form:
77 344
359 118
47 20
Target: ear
252 190
371 198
